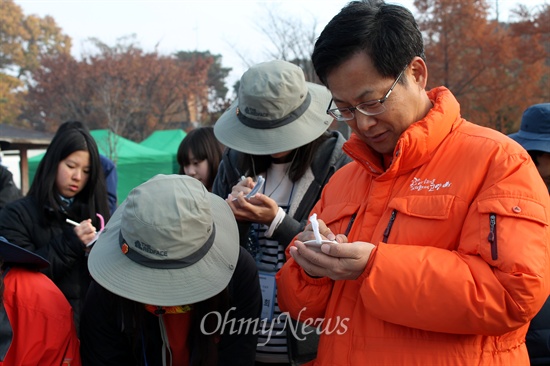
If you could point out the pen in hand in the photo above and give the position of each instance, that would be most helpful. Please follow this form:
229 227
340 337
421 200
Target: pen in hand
74 223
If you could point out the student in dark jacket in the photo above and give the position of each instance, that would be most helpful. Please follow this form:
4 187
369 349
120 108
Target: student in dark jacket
277 129
534 136
67 185
172 286
8 190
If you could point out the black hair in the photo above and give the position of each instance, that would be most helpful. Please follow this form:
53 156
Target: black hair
387 33
302 157
535 154
93 197
202 143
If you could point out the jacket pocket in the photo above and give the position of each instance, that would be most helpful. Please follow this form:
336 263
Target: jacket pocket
427 207
420 220
340 216
510 229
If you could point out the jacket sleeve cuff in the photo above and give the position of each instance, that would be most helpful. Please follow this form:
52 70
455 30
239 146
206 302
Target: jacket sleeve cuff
319 281
370 262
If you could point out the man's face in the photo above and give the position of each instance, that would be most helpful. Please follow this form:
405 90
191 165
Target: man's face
357 81
544 168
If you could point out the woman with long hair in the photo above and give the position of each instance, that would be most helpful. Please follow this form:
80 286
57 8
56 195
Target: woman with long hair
68 187
278 129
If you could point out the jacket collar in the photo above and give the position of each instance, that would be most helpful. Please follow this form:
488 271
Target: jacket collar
417 143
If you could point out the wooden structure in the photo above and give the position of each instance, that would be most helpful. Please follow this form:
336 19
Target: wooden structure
23 140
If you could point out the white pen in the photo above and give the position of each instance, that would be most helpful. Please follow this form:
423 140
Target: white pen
74 223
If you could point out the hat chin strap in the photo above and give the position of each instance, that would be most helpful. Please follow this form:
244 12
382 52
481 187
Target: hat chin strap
191 259
266 125
165 342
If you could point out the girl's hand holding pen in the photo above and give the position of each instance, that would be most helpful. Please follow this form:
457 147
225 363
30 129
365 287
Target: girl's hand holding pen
84 230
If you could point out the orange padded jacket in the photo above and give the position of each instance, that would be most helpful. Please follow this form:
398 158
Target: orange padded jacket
460 221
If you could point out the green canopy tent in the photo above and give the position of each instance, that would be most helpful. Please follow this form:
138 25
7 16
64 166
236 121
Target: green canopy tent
167 141
135 164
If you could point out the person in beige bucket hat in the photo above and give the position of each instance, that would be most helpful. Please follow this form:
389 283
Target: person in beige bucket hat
167 270
276 129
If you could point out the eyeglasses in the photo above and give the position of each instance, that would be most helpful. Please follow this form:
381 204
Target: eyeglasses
368 108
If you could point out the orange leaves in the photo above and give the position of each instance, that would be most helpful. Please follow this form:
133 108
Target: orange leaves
496 70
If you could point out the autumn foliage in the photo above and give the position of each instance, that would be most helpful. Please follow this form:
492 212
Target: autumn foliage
24 42
123 89
496 70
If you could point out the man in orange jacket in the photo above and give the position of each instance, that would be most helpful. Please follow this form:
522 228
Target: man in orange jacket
442 225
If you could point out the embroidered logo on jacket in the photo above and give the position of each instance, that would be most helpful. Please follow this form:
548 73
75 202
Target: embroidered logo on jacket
427 184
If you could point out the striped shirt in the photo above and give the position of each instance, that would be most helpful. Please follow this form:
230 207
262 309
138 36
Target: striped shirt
270 257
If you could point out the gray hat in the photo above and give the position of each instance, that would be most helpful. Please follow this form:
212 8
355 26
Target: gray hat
170 243
534 132
276 110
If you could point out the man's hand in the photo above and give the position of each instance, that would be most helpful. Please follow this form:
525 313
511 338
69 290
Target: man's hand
325 232
343 261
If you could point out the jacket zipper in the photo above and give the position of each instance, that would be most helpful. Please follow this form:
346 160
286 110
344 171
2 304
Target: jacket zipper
348 229
493 236
388 228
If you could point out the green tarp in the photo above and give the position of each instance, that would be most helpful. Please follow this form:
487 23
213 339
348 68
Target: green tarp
135 163
168 141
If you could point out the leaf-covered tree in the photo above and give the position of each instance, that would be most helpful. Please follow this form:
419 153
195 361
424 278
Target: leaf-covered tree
213 99
24 42
493 71
121 88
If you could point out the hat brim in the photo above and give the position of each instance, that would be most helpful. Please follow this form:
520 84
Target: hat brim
13 254
531 141
167 287
236 135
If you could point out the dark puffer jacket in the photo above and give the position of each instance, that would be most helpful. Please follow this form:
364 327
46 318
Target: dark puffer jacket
8 190
45 232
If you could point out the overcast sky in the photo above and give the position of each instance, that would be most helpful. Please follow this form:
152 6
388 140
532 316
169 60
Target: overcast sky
225 27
